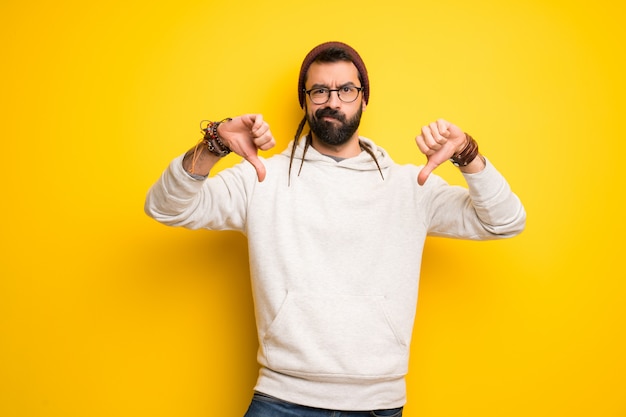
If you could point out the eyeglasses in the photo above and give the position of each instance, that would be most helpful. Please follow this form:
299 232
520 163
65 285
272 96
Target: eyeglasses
321 95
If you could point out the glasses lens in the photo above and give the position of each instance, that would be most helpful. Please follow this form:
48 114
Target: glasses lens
319 95
348 94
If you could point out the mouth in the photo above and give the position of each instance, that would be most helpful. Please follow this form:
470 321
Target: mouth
331 119
329 116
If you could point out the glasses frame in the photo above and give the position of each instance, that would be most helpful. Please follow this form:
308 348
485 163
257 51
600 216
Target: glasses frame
330 90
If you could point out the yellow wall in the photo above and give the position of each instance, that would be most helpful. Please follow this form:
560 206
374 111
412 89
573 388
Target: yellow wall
104 312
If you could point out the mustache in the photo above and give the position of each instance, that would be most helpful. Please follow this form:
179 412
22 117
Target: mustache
328 112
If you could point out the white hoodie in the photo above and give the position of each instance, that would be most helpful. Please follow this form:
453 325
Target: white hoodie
335 261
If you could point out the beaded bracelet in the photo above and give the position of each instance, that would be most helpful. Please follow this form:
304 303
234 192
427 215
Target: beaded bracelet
467 155
212 140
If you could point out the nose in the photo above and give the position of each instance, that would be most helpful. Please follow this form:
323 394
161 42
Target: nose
333 100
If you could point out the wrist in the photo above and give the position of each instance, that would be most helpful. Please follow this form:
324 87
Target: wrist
218 132
467 154
198 161
478 164
212 139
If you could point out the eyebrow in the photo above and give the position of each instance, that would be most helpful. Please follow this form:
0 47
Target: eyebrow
348 84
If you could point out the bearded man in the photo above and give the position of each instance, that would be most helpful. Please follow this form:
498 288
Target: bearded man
336 232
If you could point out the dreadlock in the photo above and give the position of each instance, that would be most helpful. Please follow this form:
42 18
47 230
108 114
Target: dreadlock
295 145
367 149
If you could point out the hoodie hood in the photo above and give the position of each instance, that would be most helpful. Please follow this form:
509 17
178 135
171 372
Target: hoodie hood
361 162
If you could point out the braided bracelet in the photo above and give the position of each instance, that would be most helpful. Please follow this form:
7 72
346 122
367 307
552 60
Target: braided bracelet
467 155
212 140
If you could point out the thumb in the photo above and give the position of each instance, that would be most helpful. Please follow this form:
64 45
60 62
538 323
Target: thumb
258 166
425 172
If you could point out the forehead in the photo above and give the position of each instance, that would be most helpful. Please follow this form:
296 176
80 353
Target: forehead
332 73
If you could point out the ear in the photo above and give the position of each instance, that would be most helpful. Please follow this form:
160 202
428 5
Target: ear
363 104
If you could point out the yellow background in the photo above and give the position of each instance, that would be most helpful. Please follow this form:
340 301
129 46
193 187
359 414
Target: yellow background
104 312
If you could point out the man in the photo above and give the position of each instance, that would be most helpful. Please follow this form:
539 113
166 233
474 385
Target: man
336 232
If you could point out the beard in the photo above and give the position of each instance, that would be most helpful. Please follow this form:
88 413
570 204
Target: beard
329 132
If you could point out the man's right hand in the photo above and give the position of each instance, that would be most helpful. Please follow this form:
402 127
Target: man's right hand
246 135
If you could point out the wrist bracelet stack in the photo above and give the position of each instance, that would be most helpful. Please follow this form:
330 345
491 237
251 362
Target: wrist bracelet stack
212 140
467 155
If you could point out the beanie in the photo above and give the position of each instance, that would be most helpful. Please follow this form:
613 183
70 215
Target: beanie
354 57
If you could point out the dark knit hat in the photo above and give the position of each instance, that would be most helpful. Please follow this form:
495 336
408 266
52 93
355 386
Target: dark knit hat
354 57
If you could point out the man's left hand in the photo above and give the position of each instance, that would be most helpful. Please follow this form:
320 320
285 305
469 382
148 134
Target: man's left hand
439 141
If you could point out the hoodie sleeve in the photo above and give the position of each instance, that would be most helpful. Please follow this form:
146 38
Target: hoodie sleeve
216 203
488 210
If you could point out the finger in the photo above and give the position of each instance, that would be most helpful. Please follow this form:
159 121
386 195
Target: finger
267 143
248 120
438 129
264 135
261 130
252 121
421 144
258 125
431 136
425 172
443 128
258 166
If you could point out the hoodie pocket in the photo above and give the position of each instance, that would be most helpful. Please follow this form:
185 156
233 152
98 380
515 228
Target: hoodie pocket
335 336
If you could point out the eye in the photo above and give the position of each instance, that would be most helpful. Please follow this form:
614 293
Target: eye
346 89
319 91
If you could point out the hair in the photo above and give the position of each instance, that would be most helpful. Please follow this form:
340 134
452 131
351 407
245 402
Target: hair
295 145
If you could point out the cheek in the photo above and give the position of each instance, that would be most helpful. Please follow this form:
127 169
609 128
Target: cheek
311 110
